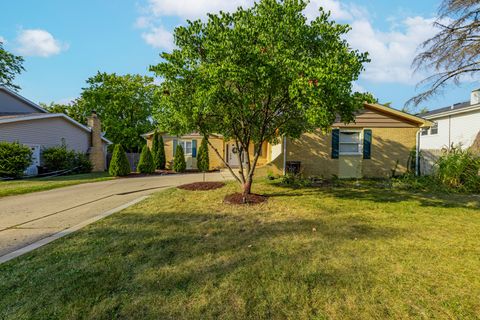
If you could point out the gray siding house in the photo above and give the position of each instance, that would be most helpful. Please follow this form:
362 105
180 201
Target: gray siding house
23 121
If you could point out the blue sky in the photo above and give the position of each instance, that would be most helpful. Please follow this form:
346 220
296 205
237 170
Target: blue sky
65 42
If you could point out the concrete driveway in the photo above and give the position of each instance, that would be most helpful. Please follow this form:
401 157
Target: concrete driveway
28 218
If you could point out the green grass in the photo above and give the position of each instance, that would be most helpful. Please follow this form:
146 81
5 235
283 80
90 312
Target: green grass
352 252
13 187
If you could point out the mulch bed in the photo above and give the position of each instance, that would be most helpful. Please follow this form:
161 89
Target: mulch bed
237 198
202 186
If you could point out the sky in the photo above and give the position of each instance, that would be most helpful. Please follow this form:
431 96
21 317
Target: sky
66 42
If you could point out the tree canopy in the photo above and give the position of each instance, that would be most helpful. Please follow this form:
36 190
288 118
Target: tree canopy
123 103
258 74
10 66
453 53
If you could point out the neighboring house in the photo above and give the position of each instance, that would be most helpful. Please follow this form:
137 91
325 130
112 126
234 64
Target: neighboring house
381 142
457 125
23 121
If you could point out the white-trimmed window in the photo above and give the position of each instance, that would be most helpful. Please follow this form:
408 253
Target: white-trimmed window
350 142
424 132
434 128
187 146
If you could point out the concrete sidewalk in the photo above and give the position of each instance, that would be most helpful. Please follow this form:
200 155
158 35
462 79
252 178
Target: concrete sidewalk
28 218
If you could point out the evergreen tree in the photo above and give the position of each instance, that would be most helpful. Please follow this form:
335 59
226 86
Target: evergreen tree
146 165
203 162
155 149
179 164
161 154
119 166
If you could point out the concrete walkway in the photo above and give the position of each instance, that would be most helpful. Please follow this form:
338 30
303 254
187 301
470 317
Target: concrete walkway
28 218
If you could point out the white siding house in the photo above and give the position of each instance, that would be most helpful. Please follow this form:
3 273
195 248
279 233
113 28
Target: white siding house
457 125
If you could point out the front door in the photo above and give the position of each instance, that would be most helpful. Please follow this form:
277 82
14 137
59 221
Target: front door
232 155
32 170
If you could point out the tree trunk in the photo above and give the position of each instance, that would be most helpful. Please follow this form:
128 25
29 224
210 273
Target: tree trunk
247 189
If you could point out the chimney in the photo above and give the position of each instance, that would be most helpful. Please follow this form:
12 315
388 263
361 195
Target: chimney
475 97
96 152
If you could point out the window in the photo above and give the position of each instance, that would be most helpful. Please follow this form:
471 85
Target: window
350 142
424 132
187 146
434 129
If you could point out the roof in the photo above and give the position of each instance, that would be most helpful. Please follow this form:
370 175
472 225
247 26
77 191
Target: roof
23 99
451 110
421 121
188 135
36 116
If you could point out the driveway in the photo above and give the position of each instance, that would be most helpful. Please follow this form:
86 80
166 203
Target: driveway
25 219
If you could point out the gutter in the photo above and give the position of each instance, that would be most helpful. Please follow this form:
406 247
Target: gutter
284 155
417 154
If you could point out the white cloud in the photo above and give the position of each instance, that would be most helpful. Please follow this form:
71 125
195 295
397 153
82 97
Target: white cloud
193 9
391 52
338 10
37 42
158 37
3 40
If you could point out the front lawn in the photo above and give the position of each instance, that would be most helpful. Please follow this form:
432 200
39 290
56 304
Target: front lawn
13 187
315 253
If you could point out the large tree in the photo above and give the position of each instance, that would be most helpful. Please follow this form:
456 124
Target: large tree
256 75
453 53
123 103
10 66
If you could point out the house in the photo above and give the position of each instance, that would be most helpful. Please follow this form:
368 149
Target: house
457 125
380 143
23 121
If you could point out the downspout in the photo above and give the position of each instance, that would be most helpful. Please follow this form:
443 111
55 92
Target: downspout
284 155
417 154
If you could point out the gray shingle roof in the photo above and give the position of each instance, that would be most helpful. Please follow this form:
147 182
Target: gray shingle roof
456 106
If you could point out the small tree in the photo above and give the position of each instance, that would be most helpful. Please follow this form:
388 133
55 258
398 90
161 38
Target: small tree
155 149
256 75
146 165
119 166
14 159
161 154
203 163
179 164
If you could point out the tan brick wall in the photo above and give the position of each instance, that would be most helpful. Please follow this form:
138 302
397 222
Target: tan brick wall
389 145
313 150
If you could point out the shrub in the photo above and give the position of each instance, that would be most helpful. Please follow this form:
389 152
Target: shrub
60 158
119 165
295 181
158 151
203 162
14 159
146 165
179 164
161 154
459 169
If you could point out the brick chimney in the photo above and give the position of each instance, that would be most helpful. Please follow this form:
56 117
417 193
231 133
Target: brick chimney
96 152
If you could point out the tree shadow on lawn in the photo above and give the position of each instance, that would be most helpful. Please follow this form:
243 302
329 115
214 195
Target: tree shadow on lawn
385 195
178 255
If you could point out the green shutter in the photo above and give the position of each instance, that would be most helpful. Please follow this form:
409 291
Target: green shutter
174 146
367 143
335 143
194 148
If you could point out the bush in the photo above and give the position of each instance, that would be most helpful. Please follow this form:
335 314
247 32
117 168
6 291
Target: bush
146 165
158 151
60 158
179 164
119 165
203 162
295 181
14 159
459 169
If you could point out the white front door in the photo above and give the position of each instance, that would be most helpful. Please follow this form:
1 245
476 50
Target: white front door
32 170
232 156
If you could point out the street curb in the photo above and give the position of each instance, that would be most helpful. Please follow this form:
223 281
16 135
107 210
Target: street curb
58 235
